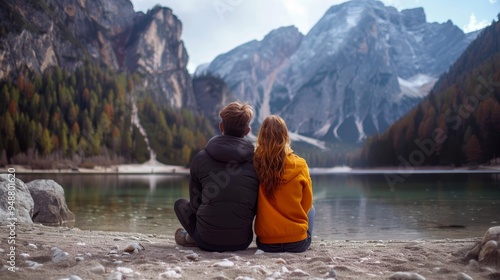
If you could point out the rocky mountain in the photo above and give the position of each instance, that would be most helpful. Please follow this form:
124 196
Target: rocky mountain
359 69
39 34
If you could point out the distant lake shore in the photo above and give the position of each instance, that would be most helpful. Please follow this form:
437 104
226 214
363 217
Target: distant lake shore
160 168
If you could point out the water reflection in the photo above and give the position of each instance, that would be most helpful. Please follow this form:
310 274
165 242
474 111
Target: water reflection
424 206
348 206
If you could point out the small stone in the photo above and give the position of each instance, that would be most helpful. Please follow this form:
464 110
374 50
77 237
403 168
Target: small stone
280 261
117 262
244 278
299 273
192 256
224 263
406 276
275 275
99 269
115 276
24 255
177 269
81 244
170 274
284 269
261 269
59 255
474 265
75 277
133 247
32 264
117 239
259 252
125 270
32 246
463 276
330 274
79 259
113 252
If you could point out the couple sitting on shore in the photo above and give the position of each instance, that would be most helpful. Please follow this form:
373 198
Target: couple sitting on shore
231 183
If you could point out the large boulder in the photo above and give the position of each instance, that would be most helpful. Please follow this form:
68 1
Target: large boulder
487 251
23 202
50 204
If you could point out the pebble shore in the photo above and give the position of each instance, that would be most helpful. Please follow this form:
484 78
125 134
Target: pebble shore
69 253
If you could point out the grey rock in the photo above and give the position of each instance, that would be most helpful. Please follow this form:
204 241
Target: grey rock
299 273
98 269
406 276
115 276
488 248
493 233
133 247
75 277
474 265
50 203
463 276
192 256
23 203
487 251
58 255
33 264
474 252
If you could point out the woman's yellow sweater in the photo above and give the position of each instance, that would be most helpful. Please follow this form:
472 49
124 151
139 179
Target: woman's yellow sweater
284 219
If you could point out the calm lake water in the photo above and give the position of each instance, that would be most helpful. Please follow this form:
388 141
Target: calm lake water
354 207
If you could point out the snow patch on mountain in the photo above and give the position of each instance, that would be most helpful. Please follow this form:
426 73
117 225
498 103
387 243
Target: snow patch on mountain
417 86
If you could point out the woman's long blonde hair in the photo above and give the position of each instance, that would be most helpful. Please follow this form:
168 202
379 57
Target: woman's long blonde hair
273 144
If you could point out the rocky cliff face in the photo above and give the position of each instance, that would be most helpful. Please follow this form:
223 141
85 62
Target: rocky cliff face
360 68
39 34
250 70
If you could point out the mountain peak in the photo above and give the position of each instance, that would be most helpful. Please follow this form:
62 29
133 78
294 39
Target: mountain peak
415 16
361 67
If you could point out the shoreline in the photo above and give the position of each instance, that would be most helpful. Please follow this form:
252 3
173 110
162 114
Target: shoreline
100 255
157 168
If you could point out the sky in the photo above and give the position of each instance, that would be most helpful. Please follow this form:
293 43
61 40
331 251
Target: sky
214 27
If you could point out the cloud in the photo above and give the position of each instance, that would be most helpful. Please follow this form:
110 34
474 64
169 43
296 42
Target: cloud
294 7
493 1
474 25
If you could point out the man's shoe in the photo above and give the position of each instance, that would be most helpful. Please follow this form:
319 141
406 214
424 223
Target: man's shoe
180 238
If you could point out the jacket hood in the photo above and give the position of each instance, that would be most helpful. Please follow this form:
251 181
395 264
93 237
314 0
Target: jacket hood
227 148
293 166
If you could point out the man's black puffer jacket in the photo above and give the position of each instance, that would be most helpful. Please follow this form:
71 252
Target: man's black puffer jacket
223 189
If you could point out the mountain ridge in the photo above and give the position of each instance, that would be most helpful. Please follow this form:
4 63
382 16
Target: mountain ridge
359 53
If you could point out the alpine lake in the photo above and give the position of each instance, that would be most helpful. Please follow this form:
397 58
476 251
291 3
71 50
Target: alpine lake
348 206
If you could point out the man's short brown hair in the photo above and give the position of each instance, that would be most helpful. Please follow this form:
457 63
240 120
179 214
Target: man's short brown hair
236 118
